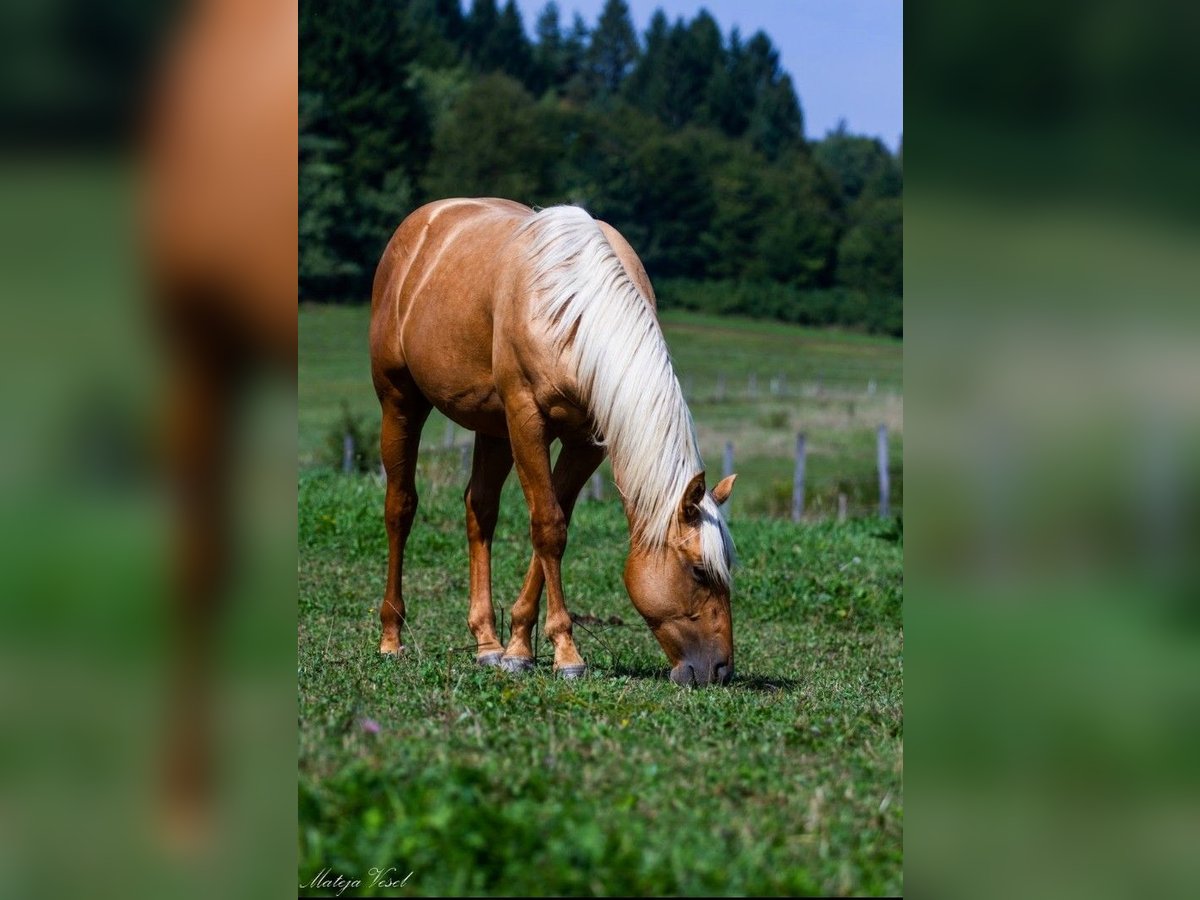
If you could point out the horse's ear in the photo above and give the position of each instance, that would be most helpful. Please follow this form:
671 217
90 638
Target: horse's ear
723 489
689 507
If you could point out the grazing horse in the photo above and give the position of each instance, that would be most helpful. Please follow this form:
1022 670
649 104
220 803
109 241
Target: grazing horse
524 327
219 245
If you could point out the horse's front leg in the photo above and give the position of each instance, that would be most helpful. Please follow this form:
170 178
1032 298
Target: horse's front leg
575 466
548 531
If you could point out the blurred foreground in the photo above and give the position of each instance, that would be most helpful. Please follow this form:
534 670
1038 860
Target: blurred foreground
1051 481
1053 451
148 528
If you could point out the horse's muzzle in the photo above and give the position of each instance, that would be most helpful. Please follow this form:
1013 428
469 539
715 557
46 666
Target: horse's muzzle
702 673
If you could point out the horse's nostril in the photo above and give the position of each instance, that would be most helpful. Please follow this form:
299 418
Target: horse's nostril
722 672
684 675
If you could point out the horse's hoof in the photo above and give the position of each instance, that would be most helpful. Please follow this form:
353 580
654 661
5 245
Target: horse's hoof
571 672
490 659
516 664
394 650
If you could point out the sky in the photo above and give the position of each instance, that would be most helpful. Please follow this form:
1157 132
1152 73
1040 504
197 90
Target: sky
845 56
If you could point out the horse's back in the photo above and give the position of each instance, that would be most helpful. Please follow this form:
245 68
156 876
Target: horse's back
432 304
453 289
425 240
220 223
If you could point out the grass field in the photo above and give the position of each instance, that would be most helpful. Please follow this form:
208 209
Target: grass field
824 390
789 781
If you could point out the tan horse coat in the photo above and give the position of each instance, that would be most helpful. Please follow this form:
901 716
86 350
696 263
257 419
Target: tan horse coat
464 318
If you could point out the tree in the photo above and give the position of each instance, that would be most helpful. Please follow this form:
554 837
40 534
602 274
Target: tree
799 237
496 40
321 197
360 162
859 163
672 78
701 58
753 96
599 145
449 14
740 197
647 86
672 205
775 123
356 58
575 52
439 27
549 52
613 49
688 141
510 44
870 255
481 21
492 144
730 95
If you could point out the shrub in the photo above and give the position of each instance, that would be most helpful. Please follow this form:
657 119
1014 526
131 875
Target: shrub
364 436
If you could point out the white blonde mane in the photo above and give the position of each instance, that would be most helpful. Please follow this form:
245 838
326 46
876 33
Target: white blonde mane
600 321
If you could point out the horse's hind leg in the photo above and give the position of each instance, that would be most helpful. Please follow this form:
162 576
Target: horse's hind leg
201 416
490 466
404 412
574 467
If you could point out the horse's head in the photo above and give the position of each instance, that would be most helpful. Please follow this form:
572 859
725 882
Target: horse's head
681 588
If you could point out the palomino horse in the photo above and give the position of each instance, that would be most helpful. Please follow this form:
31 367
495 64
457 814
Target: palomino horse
525 327
220 249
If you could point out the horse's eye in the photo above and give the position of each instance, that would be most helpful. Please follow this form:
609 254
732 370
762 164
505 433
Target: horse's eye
698 573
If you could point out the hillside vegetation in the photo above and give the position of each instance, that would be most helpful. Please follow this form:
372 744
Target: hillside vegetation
835 387
688 139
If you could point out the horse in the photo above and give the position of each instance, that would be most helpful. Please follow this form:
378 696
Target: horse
218 245
524 327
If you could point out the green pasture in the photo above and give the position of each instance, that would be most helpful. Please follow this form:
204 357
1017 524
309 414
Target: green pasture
788 781
836 387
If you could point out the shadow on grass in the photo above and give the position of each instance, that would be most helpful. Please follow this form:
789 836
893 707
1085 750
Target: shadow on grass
767 684
760 683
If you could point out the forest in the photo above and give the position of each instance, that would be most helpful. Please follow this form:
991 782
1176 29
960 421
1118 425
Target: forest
687 139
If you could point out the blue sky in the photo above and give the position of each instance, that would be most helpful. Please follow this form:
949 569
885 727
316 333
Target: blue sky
845 56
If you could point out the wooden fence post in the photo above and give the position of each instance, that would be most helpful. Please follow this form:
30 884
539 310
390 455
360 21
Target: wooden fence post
726 471
466 458
347 453
449 440
597 486
842 504
798 480
720 385
884 483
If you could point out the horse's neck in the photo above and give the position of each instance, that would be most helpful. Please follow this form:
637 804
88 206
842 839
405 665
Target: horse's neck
620 354
680 448
639 531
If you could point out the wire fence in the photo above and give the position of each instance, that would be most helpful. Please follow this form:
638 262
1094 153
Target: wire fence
847 488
